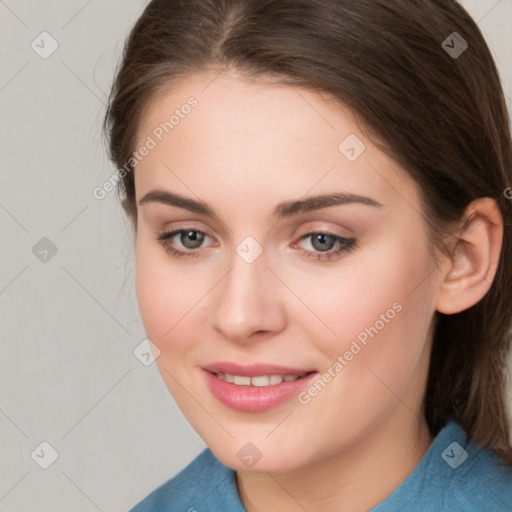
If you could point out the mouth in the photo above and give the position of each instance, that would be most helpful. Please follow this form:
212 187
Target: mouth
257 387
258 380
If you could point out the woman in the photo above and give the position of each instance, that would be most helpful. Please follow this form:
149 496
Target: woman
323 249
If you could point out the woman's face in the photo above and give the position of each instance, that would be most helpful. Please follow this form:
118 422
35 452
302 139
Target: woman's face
326 303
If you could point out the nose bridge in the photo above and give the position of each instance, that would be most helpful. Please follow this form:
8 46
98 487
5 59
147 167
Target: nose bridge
246 300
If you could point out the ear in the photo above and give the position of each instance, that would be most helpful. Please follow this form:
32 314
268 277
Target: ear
475 254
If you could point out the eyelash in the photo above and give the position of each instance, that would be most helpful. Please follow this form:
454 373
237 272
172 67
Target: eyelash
346 245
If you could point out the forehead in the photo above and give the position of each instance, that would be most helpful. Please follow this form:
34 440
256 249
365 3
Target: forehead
259 136
232 101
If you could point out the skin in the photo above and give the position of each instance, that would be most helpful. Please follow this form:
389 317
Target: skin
248 146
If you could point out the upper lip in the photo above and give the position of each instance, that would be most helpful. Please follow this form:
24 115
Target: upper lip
253 370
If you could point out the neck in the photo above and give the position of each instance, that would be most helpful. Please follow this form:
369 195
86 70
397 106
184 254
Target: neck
353 480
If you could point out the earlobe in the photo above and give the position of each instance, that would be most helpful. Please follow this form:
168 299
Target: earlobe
474 258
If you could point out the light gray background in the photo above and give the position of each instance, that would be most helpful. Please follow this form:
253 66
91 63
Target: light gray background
68 375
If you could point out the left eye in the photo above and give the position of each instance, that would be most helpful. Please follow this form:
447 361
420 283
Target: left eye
323 243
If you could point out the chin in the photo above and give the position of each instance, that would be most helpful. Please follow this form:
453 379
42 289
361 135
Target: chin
249 457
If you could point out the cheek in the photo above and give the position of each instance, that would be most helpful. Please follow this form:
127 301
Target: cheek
374 312
361 291
385 332
165 294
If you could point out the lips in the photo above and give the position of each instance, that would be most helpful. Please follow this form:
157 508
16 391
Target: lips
255 387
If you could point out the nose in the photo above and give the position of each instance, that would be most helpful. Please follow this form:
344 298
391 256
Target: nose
247 303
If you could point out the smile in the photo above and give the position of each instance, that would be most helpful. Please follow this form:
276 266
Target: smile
255 387
259 380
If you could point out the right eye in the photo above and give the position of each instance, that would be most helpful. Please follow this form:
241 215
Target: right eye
190 239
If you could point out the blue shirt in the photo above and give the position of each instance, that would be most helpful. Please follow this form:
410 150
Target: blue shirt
454 475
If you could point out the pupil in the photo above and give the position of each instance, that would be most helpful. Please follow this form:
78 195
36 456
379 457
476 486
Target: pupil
321 238
194 236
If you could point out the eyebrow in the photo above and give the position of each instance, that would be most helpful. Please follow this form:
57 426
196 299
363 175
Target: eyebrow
282 210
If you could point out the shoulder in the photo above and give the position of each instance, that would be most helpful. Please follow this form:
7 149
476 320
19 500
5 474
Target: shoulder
483 482
468 476
204 482
455 475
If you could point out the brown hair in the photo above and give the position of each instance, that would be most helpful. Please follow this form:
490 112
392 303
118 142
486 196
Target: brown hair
441 116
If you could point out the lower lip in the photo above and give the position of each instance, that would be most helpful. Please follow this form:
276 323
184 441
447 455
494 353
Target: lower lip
255 398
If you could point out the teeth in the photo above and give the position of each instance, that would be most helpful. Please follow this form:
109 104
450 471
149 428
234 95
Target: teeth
257 381
263 380
242 381
277 379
